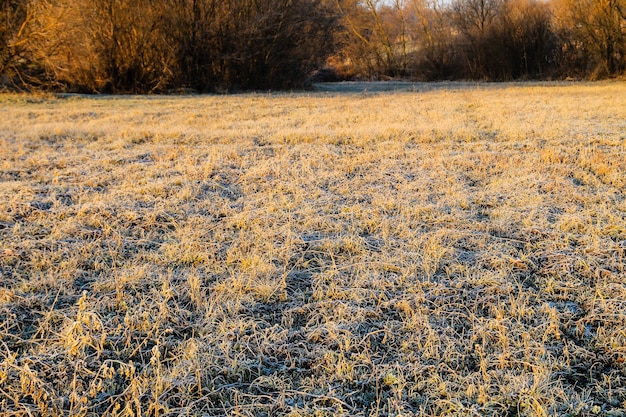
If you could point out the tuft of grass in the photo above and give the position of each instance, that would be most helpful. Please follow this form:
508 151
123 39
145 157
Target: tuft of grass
452 250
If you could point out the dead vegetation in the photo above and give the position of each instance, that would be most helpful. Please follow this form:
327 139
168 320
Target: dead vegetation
458 251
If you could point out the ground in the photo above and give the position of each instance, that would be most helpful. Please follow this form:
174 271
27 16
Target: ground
427 249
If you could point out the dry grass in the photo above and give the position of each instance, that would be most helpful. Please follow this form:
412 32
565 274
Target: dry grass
451 251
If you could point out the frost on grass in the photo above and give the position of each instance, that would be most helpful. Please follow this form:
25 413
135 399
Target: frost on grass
446 252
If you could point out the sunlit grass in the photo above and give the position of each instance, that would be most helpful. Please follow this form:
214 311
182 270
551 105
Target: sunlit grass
454 249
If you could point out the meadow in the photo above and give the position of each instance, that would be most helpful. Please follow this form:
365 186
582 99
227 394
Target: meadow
437 250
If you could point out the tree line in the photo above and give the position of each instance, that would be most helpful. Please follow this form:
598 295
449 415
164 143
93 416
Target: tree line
144 46
486 39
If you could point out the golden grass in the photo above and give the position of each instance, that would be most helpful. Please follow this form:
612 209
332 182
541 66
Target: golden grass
456 250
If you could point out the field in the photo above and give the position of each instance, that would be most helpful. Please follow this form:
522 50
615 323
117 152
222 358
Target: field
437 250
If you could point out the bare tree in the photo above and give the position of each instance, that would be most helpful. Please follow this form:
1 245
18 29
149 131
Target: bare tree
242 44
477 20
527 28
103 45
595 29
379 40
434 39
15 33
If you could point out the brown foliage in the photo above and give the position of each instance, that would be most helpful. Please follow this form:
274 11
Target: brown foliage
486 39
124 46
143 46
594 34
15 18
241 45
